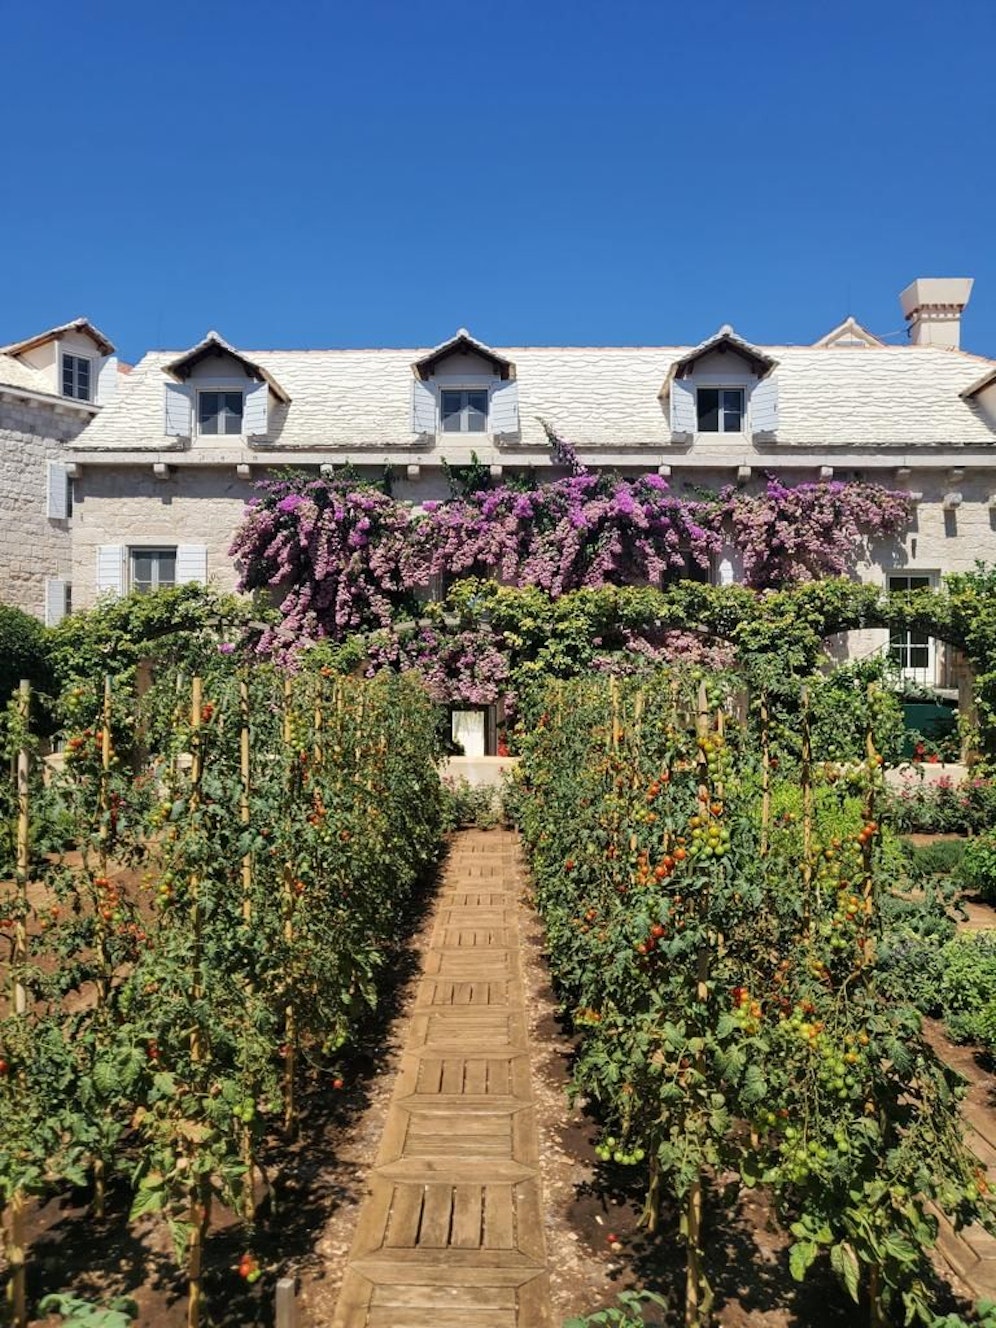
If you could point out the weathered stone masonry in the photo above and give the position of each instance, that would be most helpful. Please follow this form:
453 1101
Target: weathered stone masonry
33 547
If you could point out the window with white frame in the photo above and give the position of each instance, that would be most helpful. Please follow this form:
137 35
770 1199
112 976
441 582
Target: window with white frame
76 377
720 409
911 648
463 410
220 412
152 569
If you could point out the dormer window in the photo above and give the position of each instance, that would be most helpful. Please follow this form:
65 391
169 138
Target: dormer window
720 409
463 386
76 377
219 392
463 410
219 412
726 386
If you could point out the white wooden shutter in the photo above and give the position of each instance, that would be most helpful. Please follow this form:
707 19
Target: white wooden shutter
57 502
255 417
423 407
505 408
55 600
177 410
110 569
764 406
684 417
191 563
107 380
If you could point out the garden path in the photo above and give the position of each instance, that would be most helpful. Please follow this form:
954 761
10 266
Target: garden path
971 1252
451 1231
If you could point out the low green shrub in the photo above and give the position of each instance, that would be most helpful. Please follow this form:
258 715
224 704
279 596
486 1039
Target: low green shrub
978 866
628 1313
943 858
77 1313
915 932
967 988
466 804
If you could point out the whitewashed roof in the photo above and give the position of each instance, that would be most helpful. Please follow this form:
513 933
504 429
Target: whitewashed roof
601 398
15 373
83 325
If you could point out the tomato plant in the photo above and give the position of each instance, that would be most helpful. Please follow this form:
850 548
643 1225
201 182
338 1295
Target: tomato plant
716 939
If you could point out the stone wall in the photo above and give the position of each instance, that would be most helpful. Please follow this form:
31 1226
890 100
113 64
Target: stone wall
129 506
32 546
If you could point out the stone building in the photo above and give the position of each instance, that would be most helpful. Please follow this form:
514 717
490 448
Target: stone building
51 387
162 475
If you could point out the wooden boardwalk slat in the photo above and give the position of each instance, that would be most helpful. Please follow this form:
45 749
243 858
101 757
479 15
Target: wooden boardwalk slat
451 1233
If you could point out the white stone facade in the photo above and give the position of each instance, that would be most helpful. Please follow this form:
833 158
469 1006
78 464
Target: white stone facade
151 476
34 548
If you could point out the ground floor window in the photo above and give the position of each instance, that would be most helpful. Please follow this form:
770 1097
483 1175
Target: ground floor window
152 569
912 649
690 570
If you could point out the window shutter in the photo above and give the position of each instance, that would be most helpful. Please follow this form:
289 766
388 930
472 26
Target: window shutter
505 408
683 414
423 407
107 380
177 410
57 504
191 563
764 406
110 569
55 600
255 418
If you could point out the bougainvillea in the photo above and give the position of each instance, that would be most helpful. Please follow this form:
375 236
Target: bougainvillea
342 557
804 532
586 530
470 665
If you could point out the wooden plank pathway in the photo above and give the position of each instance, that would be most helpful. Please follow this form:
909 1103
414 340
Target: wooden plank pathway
451 1231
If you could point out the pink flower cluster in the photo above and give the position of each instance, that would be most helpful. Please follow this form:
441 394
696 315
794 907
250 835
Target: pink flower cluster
341 557
803 532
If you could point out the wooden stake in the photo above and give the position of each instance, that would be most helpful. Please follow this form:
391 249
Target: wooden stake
19 958
765 774
245 816
199 1200
16 1238
290 1023
806 779
245 767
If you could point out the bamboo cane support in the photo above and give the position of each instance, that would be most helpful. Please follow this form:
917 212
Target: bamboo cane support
765 774
290 1022
16 1238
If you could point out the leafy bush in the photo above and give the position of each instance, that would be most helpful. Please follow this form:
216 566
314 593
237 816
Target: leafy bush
978 867
627 1314
182 626
75 1312
967 988
984 1317
466 804
914 934
24 652
943 858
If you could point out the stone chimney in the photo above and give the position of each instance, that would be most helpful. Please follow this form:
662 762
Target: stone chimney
932 306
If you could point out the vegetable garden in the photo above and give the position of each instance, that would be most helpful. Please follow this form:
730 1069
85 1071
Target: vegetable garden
713 893
156 1036
205 898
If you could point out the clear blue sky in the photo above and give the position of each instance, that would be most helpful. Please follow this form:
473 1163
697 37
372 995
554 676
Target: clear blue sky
325 174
